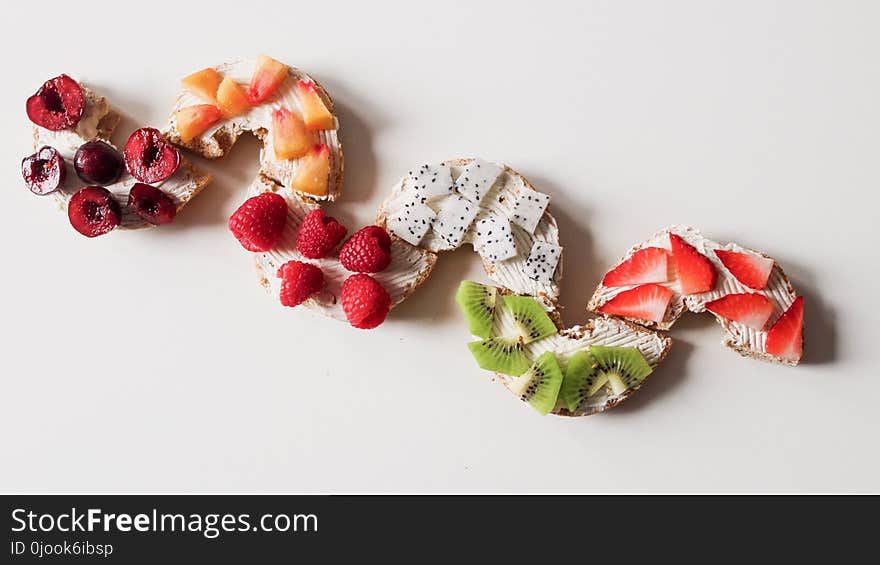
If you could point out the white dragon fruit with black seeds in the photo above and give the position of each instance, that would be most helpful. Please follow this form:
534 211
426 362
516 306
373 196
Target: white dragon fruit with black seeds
431 181
476 179
412 222
453 220
542 261
494 241
529 208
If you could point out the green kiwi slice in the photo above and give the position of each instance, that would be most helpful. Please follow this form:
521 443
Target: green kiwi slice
501 355
477 303
581 380
530 317
539 385
624 367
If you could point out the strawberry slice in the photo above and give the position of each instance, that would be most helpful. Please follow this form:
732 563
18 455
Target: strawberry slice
646 302
786 338
751 270
648 265
695 272
753 310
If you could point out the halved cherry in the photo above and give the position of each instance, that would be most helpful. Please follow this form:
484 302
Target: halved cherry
149 157
43 171
151 204
93 211
58 104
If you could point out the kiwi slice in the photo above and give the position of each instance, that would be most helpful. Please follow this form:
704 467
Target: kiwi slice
581 380
539 385
531 318
624 367
501 355
477 303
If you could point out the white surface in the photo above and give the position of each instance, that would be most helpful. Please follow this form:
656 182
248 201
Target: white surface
152 361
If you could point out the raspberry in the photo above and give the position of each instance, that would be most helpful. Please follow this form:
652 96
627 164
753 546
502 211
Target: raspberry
318 234
367 251
258 223
299 281
364 301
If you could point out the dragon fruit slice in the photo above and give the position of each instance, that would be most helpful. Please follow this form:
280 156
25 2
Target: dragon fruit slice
412 222
476 179
431 181
529 208
453 220
542 261
495 239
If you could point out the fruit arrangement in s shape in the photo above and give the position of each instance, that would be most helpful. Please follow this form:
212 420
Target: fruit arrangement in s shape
304 259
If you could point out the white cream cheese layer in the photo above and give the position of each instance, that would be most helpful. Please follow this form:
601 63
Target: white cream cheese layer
409 265
500 200
778 289
259 121
180 186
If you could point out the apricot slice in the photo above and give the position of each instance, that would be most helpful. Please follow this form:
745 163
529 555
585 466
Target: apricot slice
313 174
268 76
195 120
315 112
204 84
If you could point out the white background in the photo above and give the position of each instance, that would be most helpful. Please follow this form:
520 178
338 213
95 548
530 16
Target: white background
153 361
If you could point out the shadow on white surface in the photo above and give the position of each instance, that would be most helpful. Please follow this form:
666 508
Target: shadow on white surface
360 173
672 372
435 299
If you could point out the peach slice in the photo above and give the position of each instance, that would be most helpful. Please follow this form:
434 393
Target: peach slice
204 84
268 76
315 112
290 138
195 120
232 98
313 174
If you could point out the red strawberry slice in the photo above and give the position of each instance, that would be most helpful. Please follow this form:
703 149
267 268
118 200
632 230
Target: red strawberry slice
786 338
751 270
752 310
646 302
695 272
648 265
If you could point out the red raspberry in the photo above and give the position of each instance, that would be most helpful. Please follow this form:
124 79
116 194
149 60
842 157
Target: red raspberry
364 301
258 223
318 234
367 251
299 281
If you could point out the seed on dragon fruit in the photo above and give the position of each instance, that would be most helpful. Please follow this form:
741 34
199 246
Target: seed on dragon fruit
529 208
476 179
412 222
494 239
453 220
431 181
542 261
